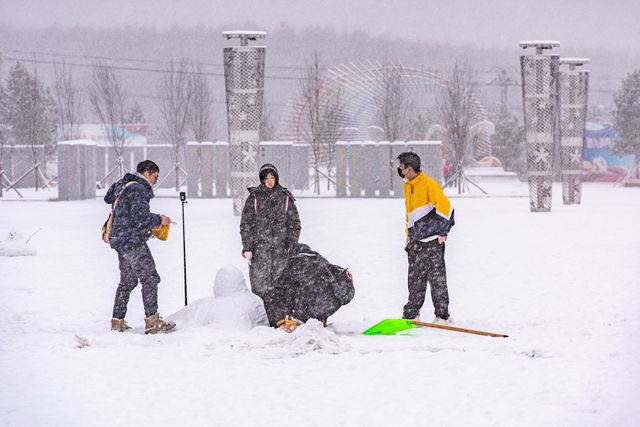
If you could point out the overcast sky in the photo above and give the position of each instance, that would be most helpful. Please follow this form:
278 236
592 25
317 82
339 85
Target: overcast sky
495 23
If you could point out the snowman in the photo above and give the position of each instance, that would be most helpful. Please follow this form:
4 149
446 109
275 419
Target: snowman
14 244
232 306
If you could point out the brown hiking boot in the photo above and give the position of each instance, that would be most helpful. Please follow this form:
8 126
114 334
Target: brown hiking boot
154 324
288 324
119 325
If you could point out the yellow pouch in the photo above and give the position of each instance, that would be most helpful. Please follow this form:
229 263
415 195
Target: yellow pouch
160 232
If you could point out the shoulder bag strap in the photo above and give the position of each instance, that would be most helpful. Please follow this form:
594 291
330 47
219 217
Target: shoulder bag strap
115 202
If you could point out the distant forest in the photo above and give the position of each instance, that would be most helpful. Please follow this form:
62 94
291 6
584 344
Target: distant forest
140 55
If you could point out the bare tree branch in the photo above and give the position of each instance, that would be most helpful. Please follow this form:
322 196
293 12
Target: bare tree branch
458 109
174 108
67 100
4 126
267 130
201 104
319 110
107 98
394 104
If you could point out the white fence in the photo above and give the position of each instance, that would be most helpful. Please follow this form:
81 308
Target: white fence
362 168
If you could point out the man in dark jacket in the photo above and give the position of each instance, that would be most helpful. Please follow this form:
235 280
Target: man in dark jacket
269 228
310 287
132 220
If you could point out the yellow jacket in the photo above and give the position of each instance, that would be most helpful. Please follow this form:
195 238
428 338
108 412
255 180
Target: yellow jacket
429 211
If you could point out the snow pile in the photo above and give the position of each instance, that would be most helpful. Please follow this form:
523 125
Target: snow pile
232 307
307 338
14 244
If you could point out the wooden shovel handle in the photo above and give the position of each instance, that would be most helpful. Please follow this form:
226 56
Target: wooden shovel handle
454 328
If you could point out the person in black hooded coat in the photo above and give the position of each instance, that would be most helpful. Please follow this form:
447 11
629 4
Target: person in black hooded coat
310 287
269 228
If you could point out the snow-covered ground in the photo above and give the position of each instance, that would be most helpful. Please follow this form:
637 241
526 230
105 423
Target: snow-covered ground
563 285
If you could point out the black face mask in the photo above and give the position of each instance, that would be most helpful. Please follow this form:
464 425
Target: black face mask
400 172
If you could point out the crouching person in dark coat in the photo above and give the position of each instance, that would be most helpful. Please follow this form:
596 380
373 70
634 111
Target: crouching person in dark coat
310 287
269 227
132 220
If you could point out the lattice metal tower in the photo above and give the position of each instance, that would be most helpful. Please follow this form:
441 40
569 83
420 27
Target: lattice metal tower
539 96
244 81
573 90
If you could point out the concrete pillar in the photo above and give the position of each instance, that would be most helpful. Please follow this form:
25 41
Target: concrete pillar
68 170
193 169
384 172
355 168
300 166
76 170
369 171
101 160
88 174
341 169
397 183
221 164
206 169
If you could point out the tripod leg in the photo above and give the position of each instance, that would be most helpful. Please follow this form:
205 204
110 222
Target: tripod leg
476 185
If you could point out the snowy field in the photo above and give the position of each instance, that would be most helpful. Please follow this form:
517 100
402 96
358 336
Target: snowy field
565 287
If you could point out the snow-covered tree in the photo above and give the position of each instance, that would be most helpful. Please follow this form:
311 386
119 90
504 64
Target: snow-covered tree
31 114
135 116
627 115
508 140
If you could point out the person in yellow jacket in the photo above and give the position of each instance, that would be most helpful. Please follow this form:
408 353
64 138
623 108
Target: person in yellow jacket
429 218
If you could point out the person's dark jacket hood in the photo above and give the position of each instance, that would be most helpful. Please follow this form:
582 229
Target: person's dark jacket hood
309 287
118 187
132 216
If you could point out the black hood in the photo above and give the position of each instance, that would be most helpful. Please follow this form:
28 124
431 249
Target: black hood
265 169
301 248
118 187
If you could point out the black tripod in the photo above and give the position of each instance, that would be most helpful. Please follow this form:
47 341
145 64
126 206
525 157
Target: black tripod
183 200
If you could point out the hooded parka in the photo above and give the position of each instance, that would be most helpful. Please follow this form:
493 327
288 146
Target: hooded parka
132 216
310 287
269 227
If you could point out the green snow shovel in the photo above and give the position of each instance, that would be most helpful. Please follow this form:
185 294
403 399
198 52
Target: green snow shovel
391 326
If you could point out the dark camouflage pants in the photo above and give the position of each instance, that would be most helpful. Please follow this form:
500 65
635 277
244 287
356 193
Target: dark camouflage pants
426 265
136 265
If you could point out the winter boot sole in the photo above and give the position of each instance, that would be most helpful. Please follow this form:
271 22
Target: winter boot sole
154 331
